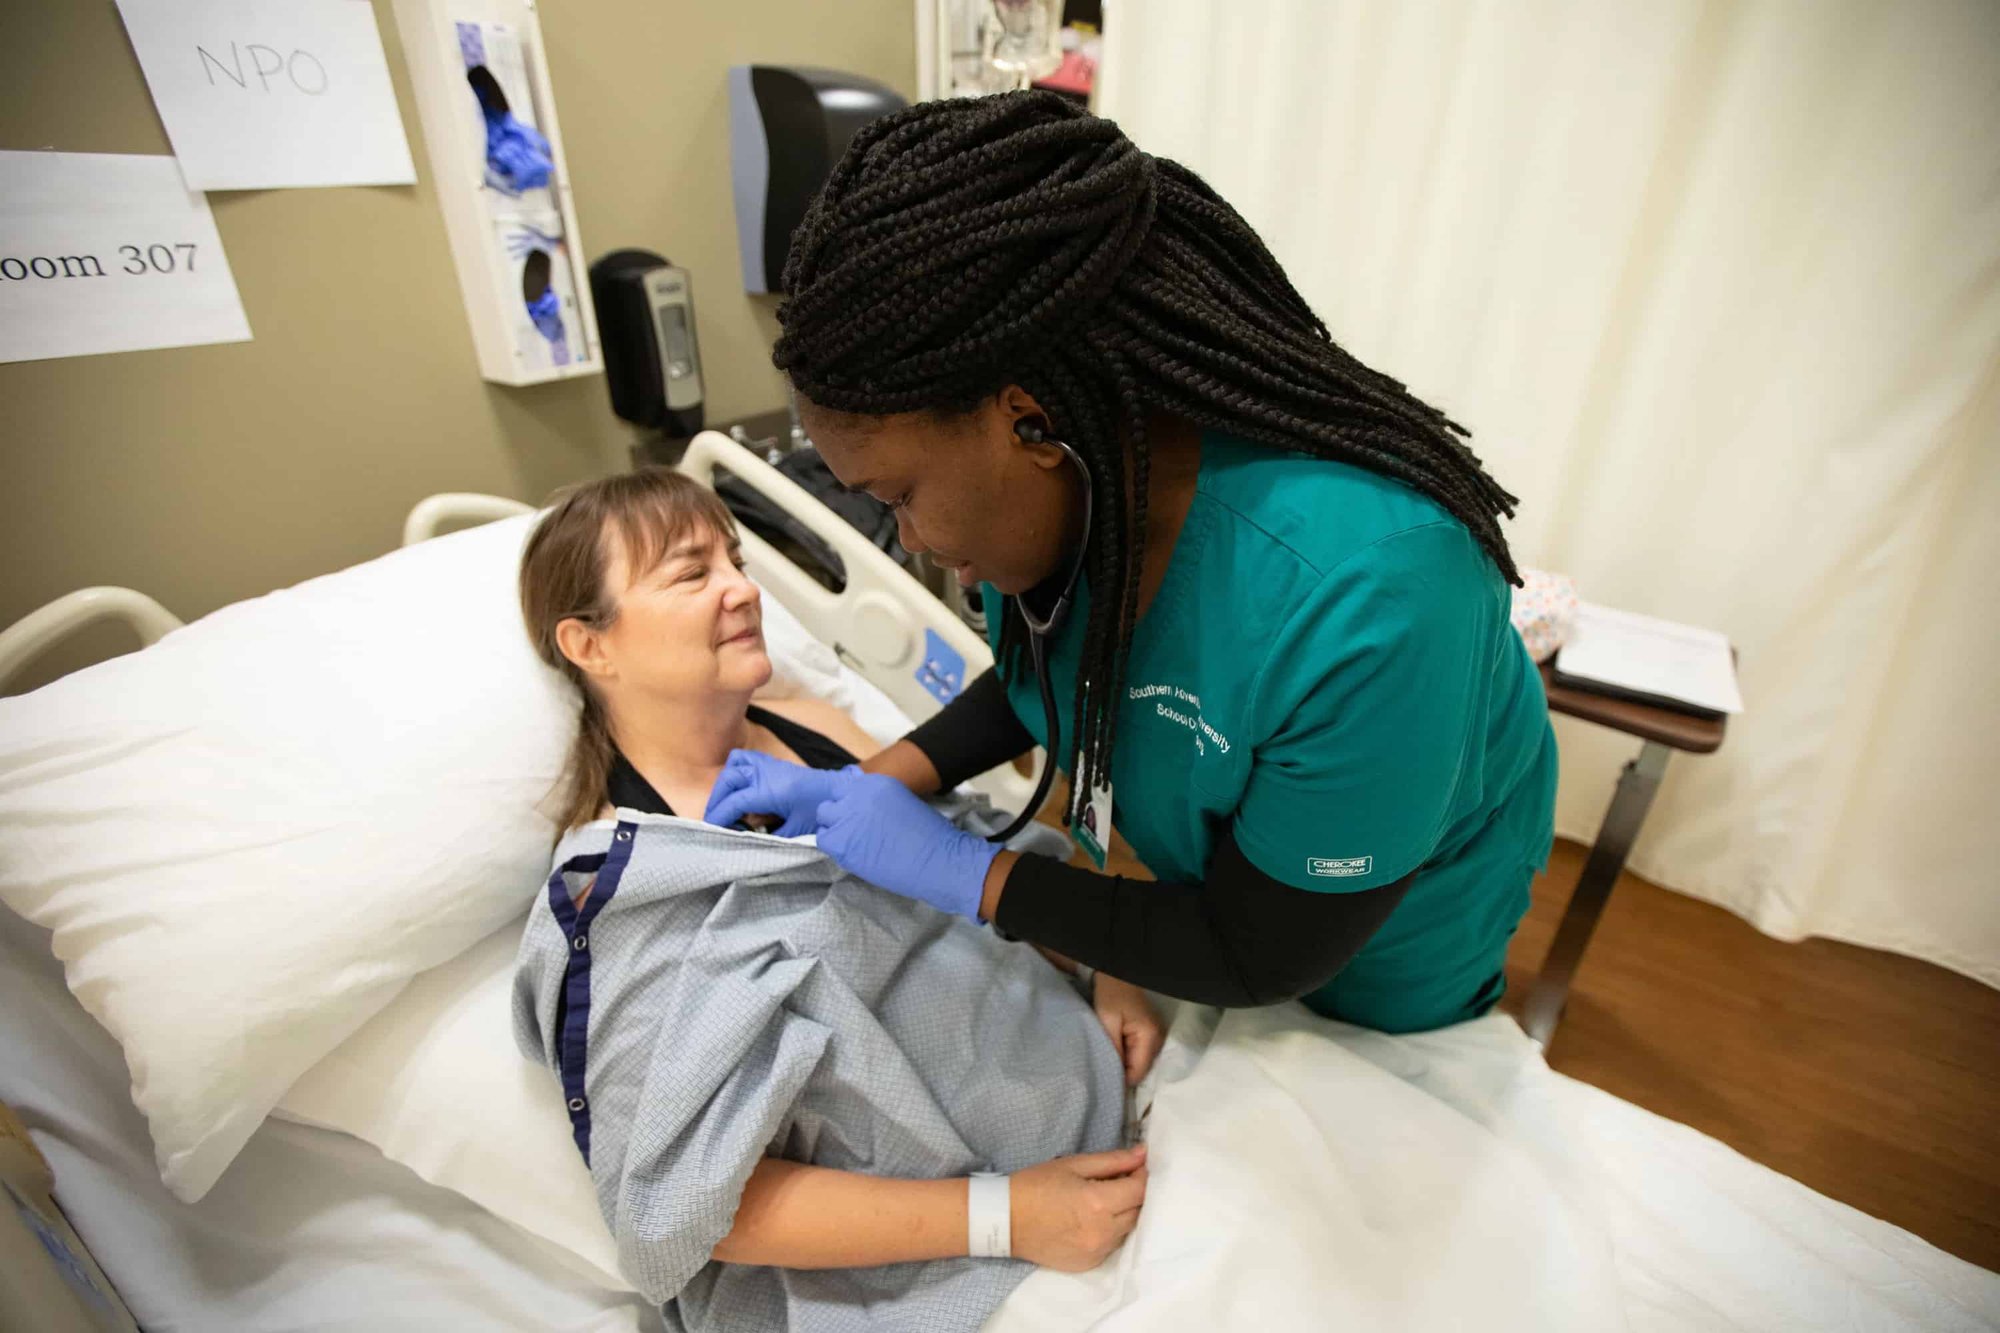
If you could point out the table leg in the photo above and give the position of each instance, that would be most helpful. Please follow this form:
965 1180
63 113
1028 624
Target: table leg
1615 837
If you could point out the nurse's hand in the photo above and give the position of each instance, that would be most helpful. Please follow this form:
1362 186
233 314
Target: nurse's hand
1128 1016
881 831
758 784
1071 1213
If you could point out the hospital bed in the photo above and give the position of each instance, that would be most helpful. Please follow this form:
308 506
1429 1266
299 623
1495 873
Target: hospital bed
1306 1174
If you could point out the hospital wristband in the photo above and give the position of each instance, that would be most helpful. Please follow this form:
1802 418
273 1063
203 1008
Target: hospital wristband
989 1216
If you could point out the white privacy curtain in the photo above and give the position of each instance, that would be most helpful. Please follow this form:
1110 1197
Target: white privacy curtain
1716 287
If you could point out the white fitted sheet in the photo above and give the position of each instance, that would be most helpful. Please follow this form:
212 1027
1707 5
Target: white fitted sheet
1307 1175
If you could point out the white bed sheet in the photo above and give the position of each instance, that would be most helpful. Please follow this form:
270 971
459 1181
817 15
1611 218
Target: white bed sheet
1312 1175
1306 1175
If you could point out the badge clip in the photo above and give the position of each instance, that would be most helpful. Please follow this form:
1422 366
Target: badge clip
1092 827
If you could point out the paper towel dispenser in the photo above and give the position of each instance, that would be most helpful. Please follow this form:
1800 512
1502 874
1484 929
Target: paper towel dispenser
788 125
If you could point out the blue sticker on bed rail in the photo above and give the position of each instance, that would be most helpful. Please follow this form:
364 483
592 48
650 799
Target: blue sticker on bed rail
942 671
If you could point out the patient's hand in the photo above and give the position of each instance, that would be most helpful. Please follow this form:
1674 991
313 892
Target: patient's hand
1128 1017
1070 1213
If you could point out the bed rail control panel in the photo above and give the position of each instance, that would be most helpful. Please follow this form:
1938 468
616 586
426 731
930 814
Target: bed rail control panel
942 670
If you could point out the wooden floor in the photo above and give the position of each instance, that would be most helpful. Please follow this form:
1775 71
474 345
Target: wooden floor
1871 1077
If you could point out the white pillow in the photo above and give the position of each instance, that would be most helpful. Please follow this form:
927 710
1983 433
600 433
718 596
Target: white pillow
248 837
435 1081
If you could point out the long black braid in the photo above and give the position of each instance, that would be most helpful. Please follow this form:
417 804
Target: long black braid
964 245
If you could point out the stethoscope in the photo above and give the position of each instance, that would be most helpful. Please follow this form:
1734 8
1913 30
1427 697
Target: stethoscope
1042 622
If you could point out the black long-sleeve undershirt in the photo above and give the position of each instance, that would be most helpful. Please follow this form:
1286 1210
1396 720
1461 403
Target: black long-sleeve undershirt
1235 938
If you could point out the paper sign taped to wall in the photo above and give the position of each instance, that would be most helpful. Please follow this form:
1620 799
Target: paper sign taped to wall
104 252
258 94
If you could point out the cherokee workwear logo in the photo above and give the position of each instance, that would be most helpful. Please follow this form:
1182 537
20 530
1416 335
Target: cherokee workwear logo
1339 867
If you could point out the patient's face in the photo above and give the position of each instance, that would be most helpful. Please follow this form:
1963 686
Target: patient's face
689 626
964 488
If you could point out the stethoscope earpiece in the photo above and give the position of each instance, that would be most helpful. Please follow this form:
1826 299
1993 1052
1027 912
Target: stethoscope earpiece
1029 432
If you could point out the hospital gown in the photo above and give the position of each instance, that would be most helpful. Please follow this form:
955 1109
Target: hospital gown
722 996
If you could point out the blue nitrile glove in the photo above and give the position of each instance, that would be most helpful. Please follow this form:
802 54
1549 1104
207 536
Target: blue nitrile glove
516 154
757 784
882 831
546 313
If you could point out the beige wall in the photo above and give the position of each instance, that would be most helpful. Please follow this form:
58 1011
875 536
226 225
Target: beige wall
204 475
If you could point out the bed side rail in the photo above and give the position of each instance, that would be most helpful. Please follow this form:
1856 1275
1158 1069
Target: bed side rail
434 512
33 634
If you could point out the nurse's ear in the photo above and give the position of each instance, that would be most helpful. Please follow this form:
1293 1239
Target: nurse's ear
1030 425
1033 434
583 645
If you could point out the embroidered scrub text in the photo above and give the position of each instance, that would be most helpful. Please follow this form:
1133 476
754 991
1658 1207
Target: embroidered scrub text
1205 735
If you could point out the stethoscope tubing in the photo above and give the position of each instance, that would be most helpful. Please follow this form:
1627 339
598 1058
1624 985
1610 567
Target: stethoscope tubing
1040 629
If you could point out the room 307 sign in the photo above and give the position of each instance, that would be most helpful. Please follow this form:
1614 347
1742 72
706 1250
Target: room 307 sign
103 252
153 258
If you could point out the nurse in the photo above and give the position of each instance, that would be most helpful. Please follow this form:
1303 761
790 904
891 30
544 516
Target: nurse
1250 593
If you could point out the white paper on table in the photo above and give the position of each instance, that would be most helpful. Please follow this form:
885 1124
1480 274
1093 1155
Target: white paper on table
258 94
106 252
1651 656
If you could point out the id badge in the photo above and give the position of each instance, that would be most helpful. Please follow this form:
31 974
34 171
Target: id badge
1092 828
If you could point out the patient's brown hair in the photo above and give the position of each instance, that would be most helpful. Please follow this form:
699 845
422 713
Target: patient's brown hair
562 578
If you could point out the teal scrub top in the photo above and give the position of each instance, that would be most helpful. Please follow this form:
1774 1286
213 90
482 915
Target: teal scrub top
1329 672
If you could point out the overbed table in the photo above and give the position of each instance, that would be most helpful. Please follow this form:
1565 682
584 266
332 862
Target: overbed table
1661 731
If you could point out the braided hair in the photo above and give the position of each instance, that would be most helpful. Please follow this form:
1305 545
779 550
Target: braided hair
963 245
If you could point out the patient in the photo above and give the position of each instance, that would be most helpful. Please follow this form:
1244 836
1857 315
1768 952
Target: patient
633 587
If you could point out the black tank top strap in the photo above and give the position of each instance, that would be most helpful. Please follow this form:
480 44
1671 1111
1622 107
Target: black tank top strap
627 788
816 750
